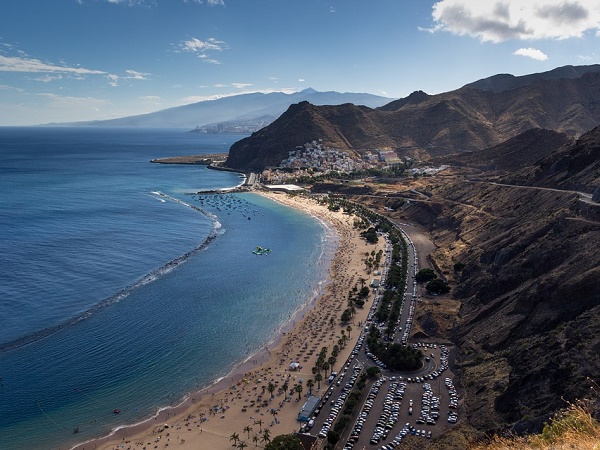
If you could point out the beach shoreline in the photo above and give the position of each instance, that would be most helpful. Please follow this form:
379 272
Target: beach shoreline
206 419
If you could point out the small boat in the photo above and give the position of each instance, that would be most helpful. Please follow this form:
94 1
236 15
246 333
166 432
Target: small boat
261 251
116 411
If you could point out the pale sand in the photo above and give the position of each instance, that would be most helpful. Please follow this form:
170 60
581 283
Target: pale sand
194 425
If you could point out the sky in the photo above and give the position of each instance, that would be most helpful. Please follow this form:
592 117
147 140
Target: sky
79 60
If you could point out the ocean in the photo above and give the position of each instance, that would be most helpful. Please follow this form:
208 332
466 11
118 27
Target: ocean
120 288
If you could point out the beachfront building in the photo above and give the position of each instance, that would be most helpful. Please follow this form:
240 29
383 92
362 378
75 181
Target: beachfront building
289 188
309 408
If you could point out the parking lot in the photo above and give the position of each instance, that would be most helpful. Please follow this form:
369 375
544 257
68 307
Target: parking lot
396 406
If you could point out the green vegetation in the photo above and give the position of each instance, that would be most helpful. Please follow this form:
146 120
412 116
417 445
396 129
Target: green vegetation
437 286
425 275
284 442
373 372
394 356
572 428
370 235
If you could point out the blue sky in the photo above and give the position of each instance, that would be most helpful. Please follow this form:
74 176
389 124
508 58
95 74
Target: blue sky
70 60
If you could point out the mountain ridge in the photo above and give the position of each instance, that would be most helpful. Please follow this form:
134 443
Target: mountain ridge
243 107
426 126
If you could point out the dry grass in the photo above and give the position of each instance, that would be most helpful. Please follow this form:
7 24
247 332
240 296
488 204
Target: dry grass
572 428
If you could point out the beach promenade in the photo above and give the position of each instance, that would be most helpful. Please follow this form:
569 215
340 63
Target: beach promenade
240 407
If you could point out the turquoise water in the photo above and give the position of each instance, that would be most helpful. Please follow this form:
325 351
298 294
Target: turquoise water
114 296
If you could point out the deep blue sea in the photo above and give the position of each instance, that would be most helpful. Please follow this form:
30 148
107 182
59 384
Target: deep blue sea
121 289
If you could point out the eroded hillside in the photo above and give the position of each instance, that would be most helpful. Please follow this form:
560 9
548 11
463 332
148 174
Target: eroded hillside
528 328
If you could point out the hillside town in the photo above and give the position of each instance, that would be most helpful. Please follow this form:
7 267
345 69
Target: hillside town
314 157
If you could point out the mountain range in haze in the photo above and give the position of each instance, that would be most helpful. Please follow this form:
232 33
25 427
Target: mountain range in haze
238 113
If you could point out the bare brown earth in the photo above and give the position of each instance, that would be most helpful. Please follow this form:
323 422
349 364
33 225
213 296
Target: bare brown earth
524 311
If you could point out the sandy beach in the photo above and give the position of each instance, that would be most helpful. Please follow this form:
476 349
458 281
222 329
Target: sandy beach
240 403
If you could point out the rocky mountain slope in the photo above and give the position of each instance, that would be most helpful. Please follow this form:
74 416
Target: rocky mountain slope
425 126
516 153
505 82
528 331
575 167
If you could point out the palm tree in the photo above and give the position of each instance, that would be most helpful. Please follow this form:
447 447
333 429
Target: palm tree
310 384
235 438
248 429
348 329
259 422
266 435
325 367
271 388
320 361
318 379
285 388
255 440
299 390
331 361
242 445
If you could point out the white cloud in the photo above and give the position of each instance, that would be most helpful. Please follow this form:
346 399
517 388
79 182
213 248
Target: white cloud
241 85
10 88
133 75
47 78
198 46
133 2
532 53
203 48
113 80
32 65
151 98
208 2
301 80
502 20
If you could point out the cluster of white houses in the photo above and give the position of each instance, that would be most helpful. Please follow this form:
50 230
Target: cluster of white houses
307 158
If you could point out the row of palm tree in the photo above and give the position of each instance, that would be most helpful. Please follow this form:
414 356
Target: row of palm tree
265 437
